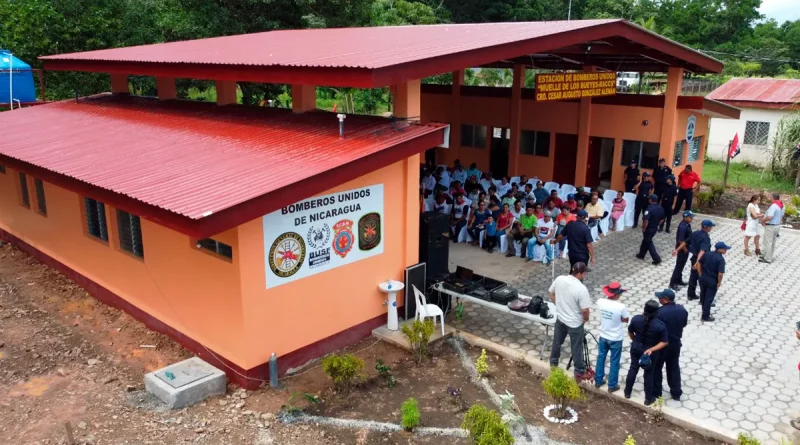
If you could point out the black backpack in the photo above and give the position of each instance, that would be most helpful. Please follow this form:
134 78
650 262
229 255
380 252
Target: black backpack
536 305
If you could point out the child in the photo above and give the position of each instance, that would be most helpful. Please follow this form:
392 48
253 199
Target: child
491 230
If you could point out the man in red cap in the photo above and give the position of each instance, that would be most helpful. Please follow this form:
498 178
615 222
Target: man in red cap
613 320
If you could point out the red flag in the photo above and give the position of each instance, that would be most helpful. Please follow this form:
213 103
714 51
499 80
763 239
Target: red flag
735 147
334 107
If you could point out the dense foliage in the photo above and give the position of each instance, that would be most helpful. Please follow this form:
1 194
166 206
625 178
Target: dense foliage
732 30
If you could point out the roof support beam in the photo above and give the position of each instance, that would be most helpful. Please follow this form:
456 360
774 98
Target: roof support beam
166 88
667 140
584 129
518 83
406 99
226 92
304 98
119 83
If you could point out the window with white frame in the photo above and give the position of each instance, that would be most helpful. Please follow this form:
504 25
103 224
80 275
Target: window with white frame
756 133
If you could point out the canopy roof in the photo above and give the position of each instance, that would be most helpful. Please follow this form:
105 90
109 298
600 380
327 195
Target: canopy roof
381 56
759 93
196 167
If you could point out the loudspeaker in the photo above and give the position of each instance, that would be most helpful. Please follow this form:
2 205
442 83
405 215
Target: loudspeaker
434 242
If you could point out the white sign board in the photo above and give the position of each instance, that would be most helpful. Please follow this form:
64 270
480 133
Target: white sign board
323 233
691 123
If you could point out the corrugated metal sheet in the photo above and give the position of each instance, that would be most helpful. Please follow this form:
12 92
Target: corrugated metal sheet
777 91
370 48
191 158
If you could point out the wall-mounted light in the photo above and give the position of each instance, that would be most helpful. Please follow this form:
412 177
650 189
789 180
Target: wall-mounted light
645 122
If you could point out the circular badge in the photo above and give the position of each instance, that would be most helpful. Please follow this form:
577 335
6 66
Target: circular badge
369 231
287 254
318 236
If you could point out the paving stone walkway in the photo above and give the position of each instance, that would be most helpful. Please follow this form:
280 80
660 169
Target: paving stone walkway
739 373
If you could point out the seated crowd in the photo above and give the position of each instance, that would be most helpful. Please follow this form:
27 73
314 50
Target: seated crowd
530 218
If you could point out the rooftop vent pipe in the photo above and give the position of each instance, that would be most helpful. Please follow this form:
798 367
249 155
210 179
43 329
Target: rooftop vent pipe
341 124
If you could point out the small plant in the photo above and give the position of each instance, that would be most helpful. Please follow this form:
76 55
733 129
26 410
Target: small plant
791 210
796 201
520 362
705 198
629 441
459 316
481 366
456 398
562 389
746 439
344 370
410 412
512 414
740 213
291 409
418 334
386 373
486 427
656 413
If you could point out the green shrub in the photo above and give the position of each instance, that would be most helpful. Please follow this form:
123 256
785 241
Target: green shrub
704 198
386 373
481 366
418 334
562 389
486 427
410 413
343 369
717 190
791 210
746 439
740 213
796 201
629 440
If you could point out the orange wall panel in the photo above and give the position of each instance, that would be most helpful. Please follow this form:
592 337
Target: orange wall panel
301 312
192 291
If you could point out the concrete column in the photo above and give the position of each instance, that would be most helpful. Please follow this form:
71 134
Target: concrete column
516 119
406 100
411 209
304 98
166 88
226 92
455 119
584 128
670 116
119 84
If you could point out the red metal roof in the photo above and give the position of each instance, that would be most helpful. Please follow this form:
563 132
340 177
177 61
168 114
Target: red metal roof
374 56
195 159
758 90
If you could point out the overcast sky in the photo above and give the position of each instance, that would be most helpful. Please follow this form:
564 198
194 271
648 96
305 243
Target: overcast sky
780 10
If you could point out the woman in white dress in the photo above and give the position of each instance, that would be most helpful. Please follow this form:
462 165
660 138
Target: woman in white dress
752 228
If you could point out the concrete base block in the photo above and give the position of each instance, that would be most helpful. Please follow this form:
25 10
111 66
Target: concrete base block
185 383
397 338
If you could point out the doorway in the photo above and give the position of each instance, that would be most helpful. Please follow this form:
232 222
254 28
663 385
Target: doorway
498 154
565 157
601 154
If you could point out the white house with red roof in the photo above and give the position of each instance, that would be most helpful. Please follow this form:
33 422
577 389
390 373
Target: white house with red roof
764 102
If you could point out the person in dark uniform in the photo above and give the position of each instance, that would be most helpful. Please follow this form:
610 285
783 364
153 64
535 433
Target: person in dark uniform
579 237
711 268
640 205
675 318
653 216
698 244
631 177
681 250
666 197
660 176
649 335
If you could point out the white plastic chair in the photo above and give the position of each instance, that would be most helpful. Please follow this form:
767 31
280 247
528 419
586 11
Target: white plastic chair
630 205
516 179
425 310
566 189
485 183
609 196
533 182
550 186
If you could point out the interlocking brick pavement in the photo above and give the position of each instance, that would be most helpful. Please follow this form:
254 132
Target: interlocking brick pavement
739 373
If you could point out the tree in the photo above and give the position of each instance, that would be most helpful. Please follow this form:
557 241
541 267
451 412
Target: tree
402 12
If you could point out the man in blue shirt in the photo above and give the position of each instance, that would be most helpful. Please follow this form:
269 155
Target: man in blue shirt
642 198
540 193
477 222
653 216
681 250
698 244
660 176
711 268
675 317
667 197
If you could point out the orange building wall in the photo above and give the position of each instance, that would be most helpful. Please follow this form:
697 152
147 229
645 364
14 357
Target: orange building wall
301 312
701 130
608 121
192 291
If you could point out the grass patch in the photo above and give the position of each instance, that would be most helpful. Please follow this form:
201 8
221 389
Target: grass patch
744 175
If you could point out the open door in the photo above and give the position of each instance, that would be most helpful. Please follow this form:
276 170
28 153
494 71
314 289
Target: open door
498 156
564 159
593 166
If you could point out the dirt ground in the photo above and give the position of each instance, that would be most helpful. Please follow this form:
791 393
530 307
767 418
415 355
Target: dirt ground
67 358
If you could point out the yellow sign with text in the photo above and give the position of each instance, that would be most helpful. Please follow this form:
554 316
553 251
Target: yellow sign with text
566 86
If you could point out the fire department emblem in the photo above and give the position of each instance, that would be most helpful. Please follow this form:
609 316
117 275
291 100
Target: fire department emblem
318 237
369 231
343 237
287 254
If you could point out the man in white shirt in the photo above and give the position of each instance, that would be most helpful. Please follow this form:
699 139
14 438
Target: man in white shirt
443 176
614 317
504 186
428 182
772 225
459 174
572 310
542 249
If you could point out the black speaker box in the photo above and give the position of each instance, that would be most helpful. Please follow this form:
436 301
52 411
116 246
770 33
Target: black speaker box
434 242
